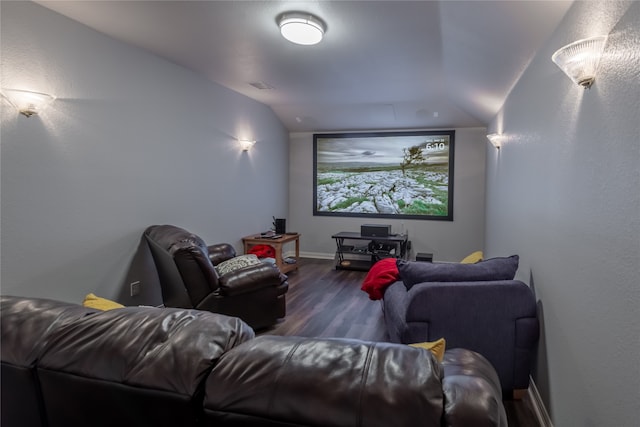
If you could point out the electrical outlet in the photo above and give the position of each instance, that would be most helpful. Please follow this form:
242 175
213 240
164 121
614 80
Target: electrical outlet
135 288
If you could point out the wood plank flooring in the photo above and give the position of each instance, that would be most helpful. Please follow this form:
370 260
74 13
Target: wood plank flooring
324 302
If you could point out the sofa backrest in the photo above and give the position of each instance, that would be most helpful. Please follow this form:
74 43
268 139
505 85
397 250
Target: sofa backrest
174 292
27 325
133 366
324 382
184 269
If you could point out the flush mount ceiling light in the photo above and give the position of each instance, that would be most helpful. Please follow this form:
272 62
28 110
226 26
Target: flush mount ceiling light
579 60
301 28
27 102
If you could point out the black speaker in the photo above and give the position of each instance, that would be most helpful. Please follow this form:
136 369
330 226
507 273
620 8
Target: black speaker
424 257
281 225
375 230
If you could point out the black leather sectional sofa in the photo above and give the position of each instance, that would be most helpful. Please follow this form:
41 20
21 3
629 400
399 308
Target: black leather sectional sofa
67 365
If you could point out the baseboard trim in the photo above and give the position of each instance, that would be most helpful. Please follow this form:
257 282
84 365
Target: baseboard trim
539 410
317 255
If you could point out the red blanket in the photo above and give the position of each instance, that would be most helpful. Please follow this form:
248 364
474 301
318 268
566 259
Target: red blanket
263 251
382 274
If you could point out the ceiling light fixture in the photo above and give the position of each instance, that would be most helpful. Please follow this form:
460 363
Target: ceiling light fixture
579 60
27 102
301 28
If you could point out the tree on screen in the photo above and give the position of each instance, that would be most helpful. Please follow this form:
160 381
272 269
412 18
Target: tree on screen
411 156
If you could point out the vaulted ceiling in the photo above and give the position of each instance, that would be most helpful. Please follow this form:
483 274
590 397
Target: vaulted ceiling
381 65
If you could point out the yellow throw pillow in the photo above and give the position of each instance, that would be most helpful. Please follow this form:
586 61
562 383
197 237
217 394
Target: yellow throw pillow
436 347
98 303
473 258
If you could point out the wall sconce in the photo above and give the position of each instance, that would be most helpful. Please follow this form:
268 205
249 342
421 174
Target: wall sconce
579 60
27 102
495 139
245 144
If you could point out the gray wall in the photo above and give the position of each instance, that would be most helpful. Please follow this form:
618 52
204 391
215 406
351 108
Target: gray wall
447 240
132 140
564 193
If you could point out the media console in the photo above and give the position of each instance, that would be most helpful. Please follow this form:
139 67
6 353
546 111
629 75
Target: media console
357 252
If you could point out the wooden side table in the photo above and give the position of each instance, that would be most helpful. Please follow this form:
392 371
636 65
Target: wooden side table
277 244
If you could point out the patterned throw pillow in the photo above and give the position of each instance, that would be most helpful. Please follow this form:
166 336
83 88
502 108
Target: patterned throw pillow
232 264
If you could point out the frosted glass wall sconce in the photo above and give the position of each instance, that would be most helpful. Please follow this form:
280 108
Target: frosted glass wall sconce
27 102
579 60
245 144
495 139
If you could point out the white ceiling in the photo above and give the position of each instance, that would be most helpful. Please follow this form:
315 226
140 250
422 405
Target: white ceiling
381 65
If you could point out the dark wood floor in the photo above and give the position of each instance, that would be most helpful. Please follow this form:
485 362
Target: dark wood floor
324 302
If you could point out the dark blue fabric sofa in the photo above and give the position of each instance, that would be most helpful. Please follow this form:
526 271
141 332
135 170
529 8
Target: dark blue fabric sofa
496 318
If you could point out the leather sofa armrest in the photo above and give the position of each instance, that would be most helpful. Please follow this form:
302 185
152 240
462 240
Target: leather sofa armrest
249 279
472 395
221 252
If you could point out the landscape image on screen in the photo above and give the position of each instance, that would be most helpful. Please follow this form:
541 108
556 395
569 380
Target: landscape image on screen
384 175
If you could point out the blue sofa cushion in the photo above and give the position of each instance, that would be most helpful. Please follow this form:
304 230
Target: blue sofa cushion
412 272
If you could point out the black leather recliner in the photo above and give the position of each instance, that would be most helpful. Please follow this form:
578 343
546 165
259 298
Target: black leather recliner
185 267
